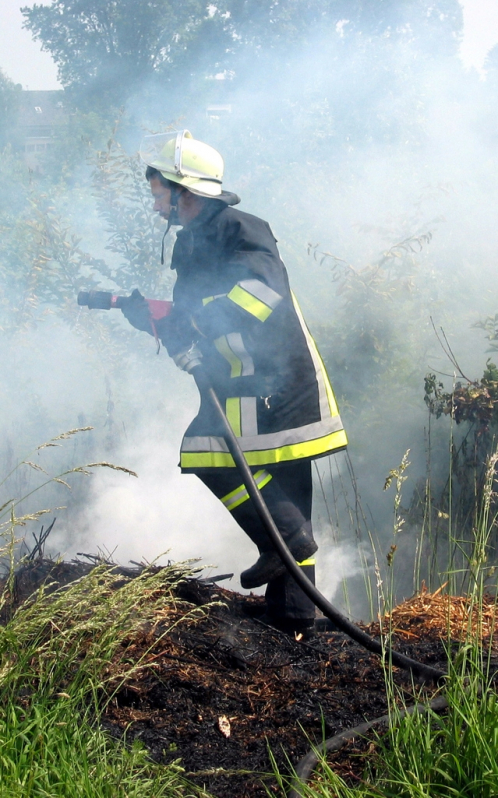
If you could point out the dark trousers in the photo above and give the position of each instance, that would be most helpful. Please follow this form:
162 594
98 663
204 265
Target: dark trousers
288 495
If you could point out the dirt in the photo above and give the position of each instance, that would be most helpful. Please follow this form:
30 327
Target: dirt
220 690
223 693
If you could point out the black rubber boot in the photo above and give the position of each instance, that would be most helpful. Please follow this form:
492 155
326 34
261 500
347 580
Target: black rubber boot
269 565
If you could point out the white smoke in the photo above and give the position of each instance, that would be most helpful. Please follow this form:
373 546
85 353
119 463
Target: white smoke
295 167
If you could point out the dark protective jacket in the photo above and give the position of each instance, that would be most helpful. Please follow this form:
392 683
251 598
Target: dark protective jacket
232 298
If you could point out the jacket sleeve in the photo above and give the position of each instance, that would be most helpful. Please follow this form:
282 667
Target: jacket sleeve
251 274
176 331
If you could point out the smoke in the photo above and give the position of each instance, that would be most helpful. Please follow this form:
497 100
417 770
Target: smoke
173 515
161 512
352 140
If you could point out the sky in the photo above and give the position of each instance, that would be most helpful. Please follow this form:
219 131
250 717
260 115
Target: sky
24 62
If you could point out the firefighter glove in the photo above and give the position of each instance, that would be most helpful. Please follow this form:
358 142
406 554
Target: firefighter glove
136 310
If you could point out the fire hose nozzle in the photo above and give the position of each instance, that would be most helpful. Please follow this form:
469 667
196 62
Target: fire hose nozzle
105 300
100 300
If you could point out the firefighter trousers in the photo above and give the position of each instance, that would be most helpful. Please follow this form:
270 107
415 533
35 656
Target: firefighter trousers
287 491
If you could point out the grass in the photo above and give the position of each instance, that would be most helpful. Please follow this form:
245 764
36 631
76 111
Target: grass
428 755
55 748
63 657
439 757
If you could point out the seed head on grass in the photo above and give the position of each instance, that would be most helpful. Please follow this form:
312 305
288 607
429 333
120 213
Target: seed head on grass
62 437
63 656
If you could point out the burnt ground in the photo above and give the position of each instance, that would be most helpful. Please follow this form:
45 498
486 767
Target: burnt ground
218 689
221 693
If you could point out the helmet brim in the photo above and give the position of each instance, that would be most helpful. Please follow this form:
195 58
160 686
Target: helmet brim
228 197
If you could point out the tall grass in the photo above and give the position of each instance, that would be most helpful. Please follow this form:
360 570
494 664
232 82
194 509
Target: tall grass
425 754
63 657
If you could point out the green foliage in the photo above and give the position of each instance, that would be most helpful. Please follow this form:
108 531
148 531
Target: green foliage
41 259
375 337
63 656
445 757
425 754
74 144
103 51
43 265
474 402
56 748
133 229
490 325
473 406
9 104
57 661
107 53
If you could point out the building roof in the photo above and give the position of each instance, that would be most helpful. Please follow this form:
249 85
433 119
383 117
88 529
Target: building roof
41 108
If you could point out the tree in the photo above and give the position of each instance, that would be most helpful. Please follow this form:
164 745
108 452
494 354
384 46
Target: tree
9 103
105 49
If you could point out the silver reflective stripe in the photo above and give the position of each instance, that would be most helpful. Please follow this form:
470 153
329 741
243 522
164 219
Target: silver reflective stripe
235 498
262 292
248 416
236 344
238 496
272 440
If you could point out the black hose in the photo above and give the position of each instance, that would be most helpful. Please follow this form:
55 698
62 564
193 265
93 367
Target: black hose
343 623
308 764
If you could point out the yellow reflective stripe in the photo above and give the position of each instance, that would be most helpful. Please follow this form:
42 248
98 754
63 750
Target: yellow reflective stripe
249 302
296 451
236 497
224 349
309 561
334 410
232 406
262 478
207 299
240 495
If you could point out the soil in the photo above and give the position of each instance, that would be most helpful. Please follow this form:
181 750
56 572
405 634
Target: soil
221 690
226 691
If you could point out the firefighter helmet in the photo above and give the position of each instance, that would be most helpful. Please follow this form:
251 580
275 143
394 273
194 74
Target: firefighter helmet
182 159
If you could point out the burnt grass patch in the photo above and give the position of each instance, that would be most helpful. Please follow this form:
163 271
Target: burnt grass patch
217 689
221 692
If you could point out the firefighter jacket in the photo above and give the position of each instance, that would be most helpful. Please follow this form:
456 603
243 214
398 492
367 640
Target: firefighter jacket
232 298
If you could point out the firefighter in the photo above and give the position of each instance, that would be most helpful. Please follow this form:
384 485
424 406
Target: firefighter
235 314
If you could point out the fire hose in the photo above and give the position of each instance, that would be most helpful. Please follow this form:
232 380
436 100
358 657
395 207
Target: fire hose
307 765
340 620
158 309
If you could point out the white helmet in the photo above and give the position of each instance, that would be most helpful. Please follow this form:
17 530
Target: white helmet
192 164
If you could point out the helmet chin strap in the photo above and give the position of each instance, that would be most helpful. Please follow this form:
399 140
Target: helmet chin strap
172 217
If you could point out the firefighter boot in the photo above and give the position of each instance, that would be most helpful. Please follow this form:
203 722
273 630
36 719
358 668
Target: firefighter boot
269 565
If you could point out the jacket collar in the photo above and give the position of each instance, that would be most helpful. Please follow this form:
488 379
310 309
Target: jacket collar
211 209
